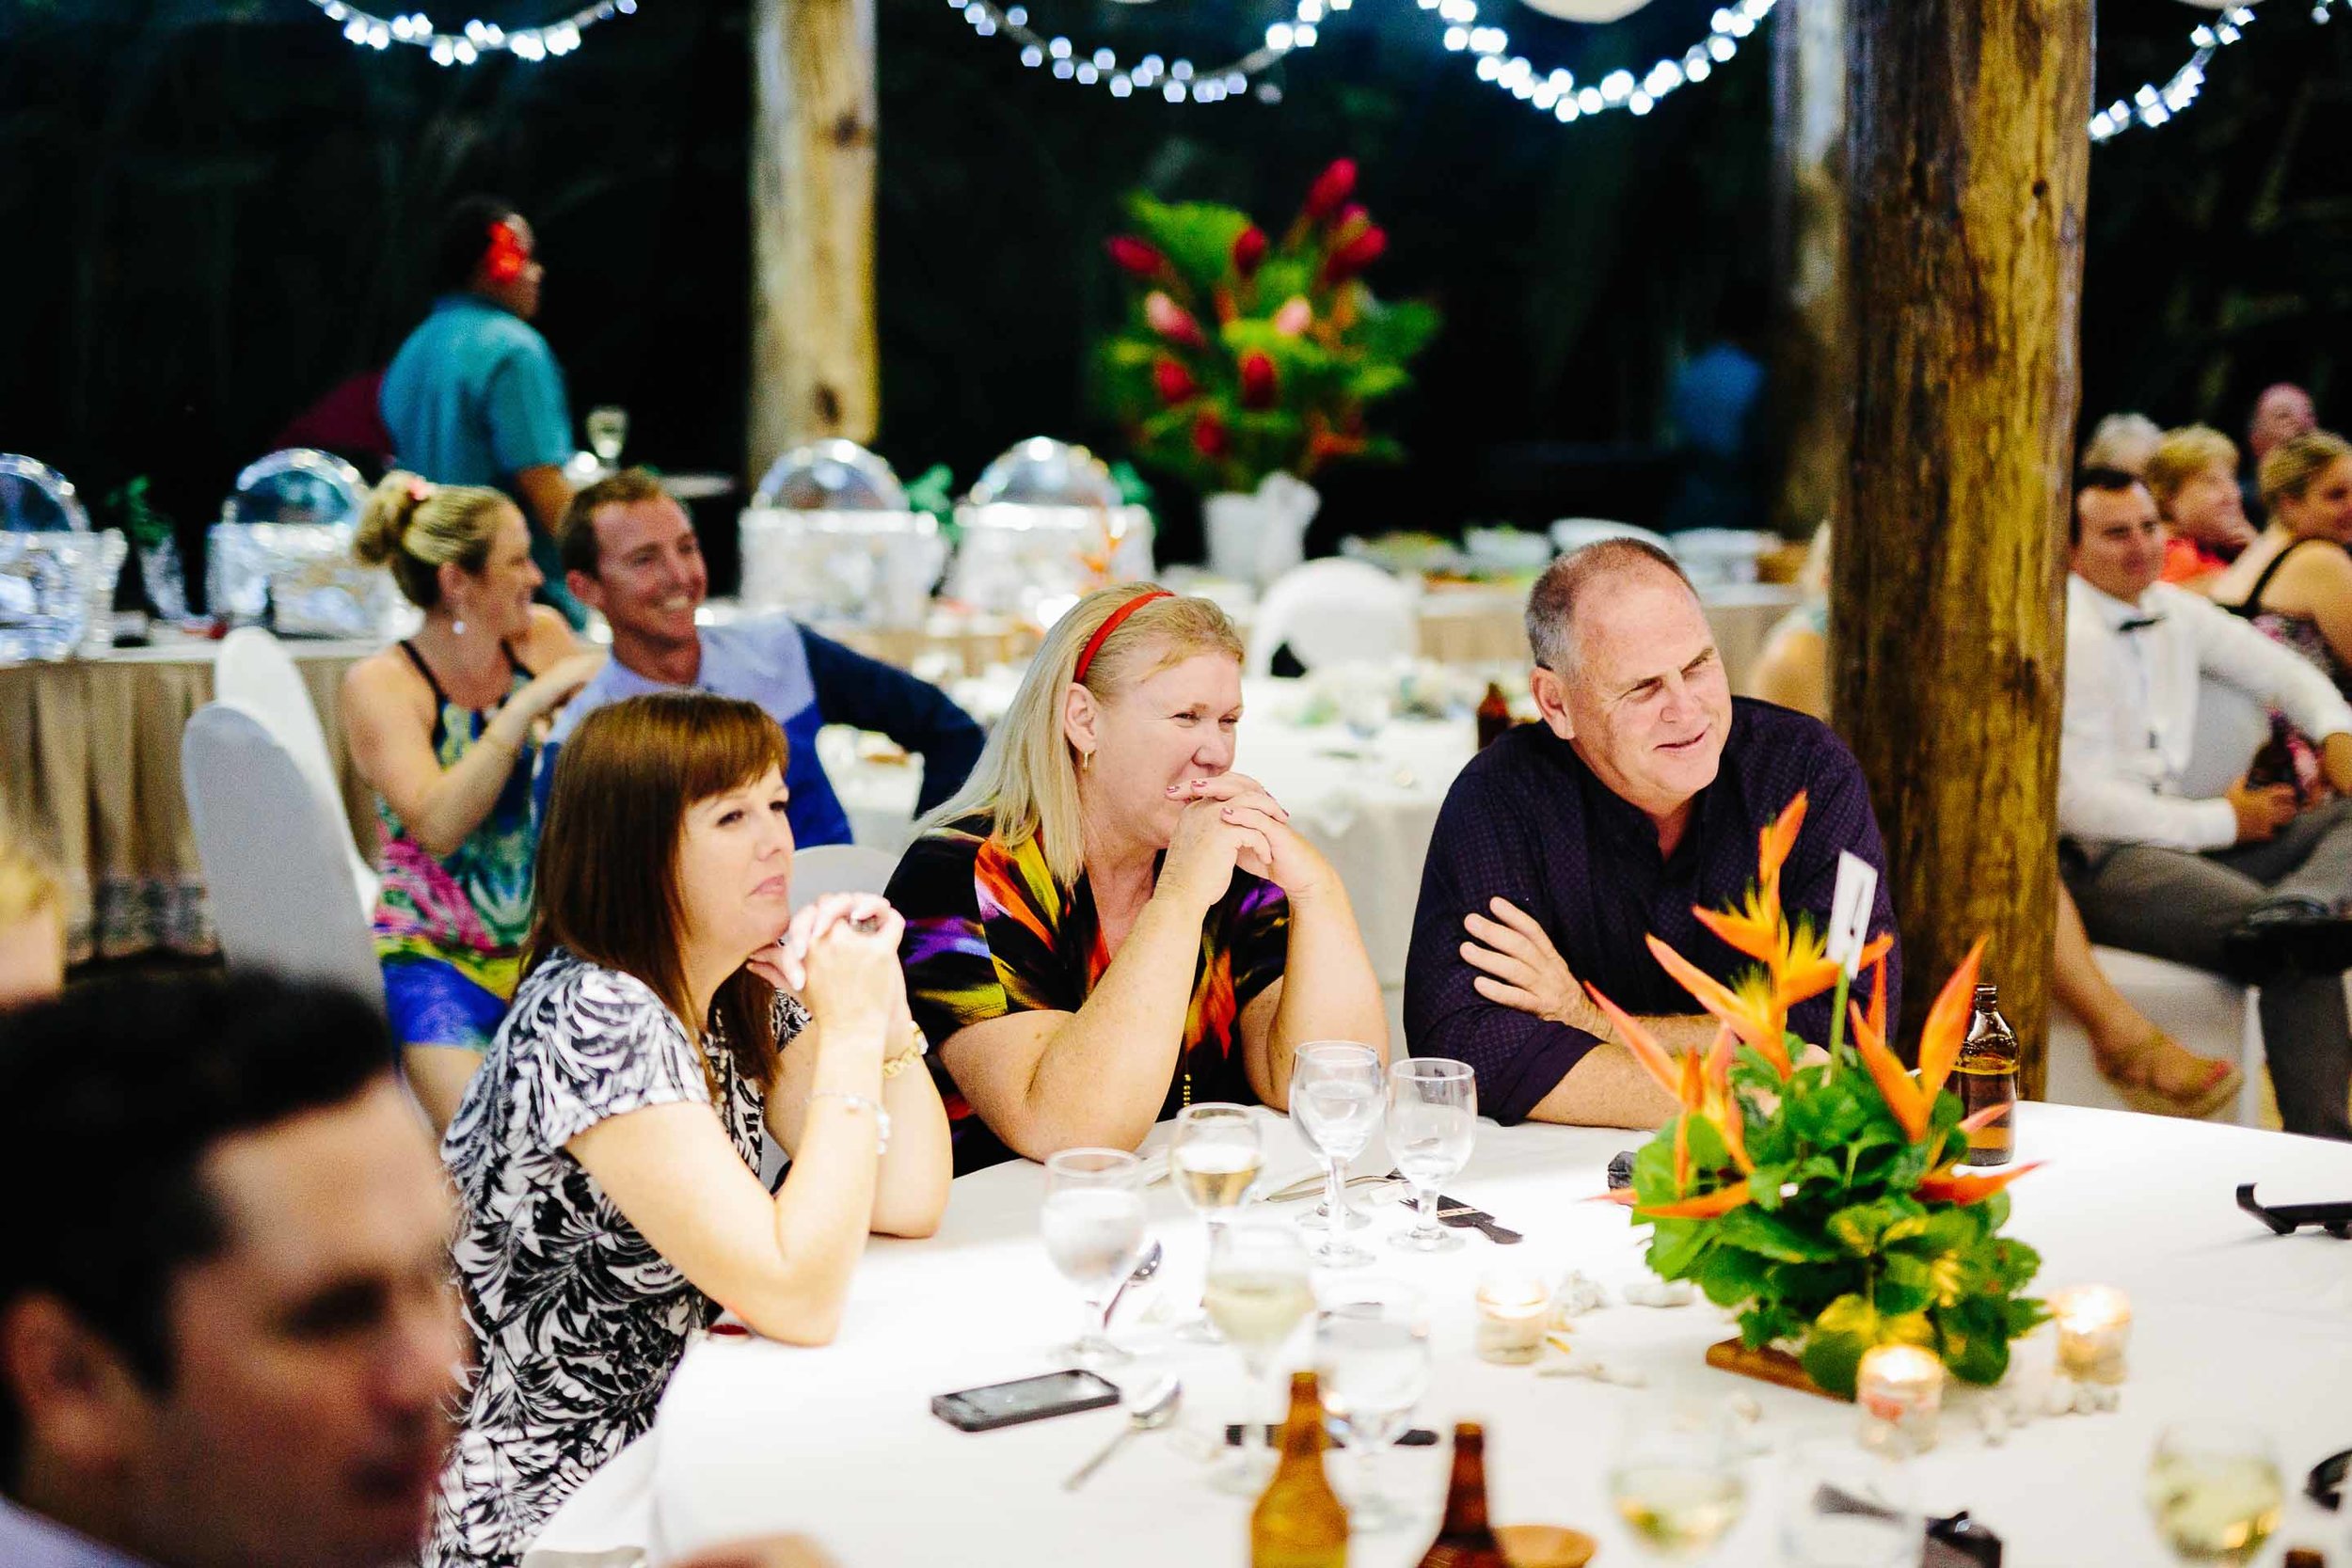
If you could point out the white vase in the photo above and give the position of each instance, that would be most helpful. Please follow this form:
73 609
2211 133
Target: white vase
1256 537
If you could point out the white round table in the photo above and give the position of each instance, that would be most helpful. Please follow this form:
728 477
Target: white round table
2231 1324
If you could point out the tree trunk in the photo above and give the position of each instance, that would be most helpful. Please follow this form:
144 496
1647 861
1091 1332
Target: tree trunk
815 370
1812 356
1967 154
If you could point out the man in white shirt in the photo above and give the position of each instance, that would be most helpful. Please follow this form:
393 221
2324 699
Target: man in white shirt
2251 883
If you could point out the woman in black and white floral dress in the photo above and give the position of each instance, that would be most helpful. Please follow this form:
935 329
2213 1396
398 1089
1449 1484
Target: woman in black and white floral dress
606 1156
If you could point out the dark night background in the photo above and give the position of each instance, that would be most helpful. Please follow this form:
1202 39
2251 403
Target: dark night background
214 211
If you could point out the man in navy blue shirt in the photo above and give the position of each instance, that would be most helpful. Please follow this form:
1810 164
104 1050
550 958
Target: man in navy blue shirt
1564 844
629 551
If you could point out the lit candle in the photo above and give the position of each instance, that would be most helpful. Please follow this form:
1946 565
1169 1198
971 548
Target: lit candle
2094 1324
1514 1310
1900 1389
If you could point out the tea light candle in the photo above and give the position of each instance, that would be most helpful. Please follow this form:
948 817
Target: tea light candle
1514 1310
1901 1388
2094 1324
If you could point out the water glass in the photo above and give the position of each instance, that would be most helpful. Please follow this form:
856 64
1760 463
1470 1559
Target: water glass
1372 1357
1336 1100
1847 1507
1093 1227
1258 1295
1433 1117
2215 1491
1676 1483
1214 1159
607 433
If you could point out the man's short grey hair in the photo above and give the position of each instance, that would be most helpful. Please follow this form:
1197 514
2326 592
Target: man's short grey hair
1551 604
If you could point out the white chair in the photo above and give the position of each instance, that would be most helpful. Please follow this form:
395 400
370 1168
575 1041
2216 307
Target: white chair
2231 727
1333 611
2208 1014
838 868
255 672
276 858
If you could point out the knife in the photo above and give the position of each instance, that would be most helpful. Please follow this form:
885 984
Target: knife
1454 1211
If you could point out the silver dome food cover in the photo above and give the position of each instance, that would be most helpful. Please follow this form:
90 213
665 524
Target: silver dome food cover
1042 524
57 577
282 551
830 536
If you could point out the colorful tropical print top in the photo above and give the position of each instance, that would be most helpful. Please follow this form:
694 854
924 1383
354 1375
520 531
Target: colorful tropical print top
989 933
471 908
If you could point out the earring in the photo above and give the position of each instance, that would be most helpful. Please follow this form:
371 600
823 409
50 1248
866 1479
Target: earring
1086 761
458 627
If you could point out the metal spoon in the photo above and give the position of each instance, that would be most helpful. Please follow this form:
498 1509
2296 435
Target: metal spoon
1145 1266
1153 1405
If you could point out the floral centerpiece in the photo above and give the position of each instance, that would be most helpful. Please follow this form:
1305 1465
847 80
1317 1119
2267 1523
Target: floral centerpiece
1821 1200
1244 357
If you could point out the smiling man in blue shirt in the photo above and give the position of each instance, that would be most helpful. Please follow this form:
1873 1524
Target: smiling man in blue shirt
629 551
1566 843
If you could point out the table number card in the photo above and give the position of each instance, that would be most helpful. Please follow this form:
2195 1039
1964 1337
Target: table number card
1850 910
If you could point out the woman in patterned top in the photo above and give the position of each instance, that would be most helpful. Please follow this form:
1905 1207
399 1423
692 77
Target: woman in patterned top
1109 923
606 1156
446 726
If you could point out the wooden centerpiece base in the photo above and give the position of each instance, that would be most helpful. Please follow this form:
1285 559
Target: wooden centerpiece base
1769 1365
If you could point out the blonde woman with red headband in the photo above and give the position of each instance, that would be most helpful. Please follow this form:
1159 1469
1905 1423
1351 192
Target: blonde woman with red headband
1109 923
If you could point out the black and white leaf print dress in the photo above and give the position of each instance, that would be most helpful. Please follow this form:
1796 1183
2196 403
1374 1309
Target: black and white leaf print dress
576 1321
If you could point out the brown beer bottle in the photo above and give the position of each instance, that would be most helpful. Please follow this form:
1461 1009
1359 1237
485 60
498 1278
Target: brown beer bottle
1986 1076
1299 1523
1466 1540
1493 716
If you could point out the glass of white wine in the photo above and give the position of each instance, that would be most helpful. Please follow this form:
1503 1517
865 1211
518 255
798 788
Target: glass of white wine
1676 1483
1337 1098
1258 1295
1216 1158
1372 1356
607 433
1433 1117
2215 1491
1094 1228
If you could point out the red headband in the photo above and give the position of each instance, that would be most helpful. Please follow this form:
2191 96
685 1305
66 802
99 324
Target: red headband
505 258
1110 624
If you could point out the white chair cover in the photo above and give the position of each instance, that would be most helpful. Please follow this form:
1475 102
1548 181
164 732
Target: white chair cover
2231 727
276 858
1333 612
2210 1015
255 672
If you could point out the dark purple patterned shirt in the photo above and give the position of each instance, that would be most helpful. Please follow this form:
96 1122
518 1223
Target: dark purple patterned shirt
1527 821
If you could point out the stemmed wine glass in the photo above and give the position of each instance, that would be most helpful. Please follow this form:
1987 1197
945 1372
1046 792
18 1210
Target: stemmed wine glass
1847 1507
1676 1482
1433 1116
607 433
2216 1492
1335 1101
1093 1227
1216 1157
1258 1292
1371 1353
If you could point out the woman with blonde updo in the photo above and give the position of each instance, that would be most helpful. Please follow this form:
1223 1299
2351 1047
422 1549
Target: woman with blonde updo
446 725
2294 580
2193 476
1109 924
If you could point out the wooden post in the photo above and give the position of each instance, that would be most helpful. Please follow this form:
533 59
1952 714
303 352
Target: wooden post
814 368
1967 155
1812 356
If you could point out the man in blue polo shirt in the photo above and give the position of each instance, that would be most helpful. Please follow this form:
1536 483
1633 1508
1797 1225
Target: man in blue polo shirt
475 396
629 551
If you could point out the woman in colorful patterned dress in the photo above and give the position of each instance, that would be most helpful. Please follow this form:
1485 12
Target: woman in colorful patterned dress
446 726
1109 923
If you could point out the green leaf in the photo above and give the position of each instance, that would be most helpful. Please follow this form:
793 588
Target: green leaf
1397 332
1757 1232
1675 1246
1377 381
1906 1284
1832 1357
1197 236
1731 1274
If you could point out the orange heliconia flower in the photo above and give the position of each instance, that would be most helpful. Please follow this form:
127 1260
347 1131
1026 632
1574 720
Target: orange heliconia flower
1723 1200
1949 1186
1912 1101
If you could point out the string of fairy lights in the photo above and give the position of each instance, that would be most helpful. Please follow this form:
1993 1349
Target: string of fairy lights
1177 80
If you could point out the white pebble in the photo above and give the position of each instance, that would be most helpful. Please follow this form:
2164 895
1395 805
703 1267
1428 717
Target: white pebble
1659 1292
1994 1420
1577 1294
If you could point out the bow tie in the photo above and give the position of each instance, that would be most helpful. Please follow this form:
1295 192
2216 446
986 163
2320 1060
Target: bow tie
2142 624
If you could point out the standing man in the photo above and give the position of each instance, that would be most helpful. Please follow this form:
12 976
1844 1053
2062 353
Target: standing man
1564 844
475 396
2251 884
2281 413
629 550
227 1335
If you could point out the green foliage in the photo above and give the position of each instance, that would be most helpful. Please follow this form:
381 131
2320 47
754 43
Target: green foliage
1838 1250
142 521
1223 372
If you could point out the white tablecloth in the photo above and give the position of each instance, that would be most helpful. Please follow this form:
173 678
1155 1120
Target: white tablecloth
2232 1323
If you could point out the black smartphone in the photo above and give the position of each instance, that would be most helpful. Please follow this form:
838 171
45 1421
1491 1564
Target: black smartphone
1028 1398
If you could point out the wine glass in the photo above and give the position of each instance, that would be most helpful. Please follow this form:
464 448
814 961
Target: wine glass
1257 1295
1216 1158
2215 1491
1676 1483
1371 1353
607 433
1848 1508
1433 1116
1335 1101
1093 1227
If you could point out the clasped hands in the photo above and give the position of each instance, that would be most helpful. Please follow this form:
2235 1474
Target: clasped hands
1230 821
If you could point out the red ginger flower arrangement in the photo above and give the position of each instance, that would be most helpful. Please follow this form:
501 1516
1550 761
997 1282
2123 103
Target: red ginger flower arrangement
1823 1198
1242 355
